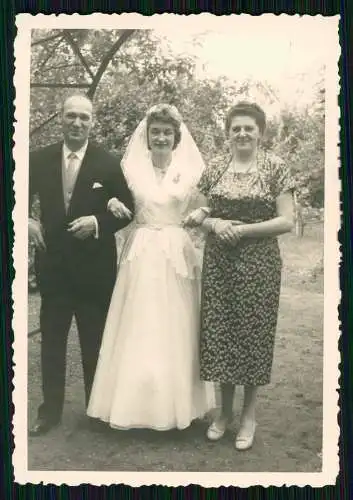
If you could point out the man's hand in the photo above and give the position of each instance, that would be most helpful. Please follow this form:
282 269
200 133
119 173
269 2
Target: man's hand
118 209
83 227
35 233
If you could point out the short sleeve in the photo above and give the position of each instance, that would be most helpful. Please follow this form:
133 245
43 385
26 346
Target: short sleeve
212 173
282 179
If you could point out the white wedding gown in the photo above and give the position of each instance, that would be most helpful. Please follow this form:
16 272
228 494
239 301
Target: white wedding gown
148 369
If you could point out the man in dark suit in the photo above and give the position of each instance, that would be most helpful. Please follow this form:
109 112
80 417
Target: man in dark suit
76 258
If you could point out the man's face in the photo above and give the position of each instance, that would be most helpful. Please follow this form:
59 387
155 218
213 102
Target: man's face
77 120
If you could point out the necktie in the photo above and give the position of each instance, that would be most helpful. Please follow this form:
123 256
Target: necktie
70 177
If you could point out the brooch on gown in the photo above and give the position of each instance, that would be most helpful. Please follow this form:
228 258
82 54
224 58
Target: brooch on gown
176 178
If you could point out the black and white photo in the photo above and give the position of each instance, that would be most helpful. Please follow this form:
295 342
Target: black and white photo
177 286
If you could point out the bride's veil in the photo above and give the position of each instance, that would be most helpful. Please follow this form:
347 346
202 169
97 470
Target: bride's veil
187 162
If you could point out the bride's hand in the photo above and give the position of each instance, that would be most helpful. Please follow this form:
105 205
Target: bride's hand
195 218
118 209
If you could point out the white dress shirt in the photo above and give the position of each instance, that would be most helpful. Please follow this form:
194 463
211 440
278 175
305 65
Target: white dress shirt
80 154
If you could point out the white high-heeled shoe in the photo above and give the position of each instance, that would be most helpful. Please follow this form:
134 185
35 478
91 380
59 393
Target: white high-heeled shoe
245 438
216 430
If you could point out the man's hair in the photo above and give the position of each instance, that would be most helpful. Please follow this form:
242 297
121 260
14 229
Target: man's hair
72 96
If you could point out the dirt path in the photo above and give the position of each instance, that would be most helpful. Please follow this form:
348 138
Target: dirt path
289 413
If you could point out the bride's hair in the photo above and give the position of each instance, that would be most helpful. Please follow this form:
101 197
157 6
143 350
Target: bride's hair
165 113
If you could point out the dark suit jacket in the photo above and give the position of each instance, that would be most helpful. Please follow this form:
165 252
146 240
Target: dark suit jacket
85 268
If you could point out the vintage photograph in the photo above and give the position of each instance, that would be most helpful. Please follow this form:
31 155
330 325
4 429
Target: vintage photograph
176 253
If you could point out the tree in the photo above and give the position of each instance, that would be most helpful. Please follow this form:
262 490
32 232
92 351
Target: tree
302 145
127 81
62 60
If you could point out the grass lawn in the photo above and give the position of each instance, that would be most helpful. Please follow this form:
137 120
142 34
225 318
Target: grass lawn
289 433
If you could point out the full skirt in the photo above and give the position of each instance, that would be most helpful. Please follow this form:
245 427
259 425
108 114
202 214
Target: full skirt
148 368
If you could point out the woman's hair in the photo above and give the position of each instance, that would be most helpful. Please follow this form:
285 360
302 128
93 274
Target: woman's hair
247 108
165 113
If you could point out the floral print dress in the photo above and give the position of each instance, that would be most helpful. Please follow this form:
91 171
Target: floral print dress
241 284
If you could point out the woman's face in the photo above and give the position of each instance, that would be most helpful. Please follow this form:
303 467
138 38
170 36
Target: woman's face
161 137
244 134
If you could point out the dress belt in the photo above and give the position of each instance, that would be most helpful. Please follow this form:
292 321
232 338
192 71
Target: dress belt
158 226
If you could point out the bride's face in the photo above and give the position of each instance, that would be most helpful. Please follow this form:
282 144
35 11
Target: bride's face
161 137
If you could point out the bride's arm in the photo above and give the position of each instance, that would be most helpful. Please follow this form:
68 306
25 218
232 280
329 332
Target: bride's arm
199 209
197 200
201 216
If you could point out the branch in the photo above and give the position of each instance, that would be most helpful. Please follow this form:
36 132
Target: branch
75 47
93 86
43 124
44 40
60 85
106 60
51 52
48 68
33 332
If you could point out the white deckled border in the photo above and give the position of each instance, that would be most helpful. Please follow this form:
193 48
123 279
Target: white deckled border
26 22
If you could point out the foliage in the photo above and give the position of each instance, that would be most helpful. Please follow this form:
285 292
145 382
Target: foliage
302 145
141 74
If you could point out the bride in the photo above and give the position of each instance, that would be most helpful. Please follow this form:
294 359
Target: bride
148 369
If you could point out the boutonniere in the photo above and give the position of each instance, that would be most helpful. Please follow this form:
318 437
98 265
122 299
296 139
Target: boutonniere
97 185
176 178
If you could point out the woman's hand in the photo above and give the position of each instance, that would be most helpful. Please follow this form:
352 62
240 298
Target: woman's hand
118 209
195 218
223 230
237 234
228 231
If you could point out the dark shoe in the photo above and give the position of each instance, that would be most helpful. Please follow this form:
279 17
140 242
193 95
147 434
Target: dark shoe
41 427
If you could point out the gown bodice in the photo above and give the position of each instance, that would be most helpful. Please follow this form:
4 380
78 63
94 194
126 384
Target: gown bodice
157 226
164 210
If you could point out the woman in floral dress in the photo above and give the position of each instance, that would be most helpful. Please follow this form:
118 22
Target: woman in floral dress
249 203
